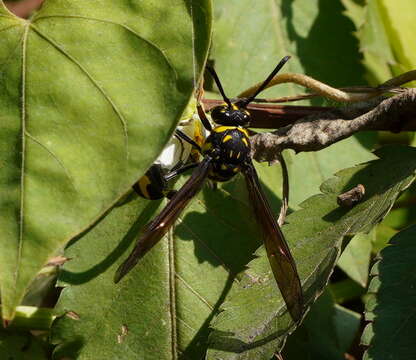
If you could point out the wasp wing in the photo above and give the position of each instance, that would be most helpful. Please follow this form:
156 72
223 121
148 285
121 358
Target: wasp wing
158 227
281 261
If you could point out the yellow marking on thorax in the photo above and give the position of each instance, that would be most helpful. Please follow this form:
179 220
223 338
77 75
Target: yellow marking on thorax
220 129
227 138
244 131
143 182
244 140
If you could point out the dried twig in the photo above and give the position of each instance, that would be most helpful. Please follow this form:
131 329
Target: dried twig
350 94
317 87
285 191
315 132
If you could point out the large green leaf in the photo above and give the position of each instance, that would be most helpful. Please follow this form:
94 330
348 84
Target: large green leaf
254 321
170 297
248 44
326 333
90 92
391 302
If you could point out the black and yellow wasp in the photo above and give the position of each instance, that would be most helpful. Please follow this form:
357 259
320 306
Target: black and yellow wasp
176 158
226 152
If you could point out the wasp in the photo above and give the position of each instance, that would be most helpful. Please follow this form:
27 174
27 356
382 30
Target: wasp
176 158
226 152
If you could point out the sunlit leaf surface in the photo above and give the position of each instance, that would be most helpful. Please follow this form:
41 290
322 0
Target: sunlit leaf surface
90 92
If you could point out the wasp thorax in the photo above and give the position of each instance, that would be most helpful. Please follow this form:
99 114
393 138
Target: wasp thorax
230 115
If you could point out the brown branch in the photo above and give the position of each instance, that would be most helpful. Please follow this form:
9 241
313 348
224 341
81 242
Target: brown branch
317 131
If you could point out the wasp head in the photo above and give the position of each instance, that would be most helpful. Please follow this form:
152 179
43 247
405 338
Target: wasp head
235 113
231 115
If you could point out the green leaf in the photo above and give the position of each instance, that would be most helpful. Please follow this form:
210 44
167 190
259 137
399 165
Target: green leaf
19 345
372 34
400 27
170 297
398 218
248 44
391 302
347 323
383 234
254 322
32 318
346 290
355 259
90 92
385 30
326 333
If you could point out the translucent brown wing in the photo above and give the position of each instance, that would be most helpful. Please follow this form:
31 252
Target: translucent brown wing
158 227
281 261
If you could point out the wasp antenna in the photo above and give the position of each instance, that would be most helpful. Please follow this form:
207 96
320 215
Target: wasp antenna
266 82
218 82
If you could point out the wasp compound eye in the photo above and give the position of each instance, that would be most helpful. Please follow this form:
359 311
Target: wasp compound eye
234 116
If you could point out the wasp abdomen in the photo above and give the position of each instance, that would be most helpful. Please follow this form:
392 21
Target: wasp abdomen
152 185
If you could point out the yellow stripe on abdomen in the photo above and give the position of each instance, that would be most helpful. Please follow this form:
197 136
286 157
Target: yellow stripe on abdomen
143 183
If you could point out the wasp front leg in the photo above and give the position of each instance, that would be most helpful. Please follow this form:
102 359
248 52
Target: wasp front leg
202 115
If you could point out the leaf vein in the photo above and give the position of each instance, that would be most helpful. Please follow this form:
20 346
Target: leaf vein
67 173
9 27
203 243
186 324
93 81
126 27
23 164
196 293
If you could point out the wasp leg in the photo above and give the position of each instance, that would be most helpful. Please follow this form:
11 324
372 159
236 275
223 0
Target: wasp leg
179 171
203 117
180 162
185 137
213 185
175 172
